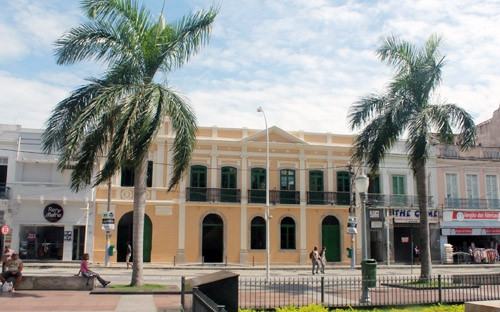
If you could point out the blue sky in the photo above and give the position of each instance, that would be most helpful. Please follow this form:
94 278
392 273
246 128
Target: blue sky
304 61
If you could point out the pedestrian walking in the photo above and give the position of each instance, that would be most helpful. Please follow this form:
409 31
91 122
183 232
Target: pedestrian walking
322 256
129 254
314 255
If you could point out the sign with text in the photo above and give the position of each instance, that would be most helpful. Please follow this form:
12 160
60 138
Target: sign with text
413 216
53 212
5 229
352 223
108 221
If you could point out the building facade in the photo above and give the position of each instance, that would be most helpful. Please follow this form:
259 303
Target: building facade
46 220
469 194
216 214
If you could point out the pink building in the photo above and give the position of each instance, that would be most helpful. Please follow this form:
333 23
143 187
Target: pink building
468 194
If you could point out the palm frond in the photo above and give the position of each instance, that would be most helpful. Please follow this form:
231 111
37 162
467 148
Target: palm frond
188 36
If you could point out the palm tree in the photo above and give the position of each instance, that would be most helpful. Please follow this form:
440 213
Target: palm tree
408 109
120 114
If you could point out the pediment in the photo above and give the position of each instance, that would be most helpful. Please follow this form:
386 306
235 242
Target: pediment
276 135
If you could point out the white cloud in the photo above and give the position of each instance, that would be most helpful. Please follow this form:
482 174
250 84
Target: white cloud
304 61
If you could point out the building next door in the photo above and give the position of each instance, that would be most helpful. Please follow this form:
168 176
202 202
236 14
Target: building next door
330 236
212 247
125 234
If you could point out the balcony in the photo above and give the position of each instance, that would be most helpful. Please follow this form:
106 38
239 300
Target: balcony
203 194
382 200
472 203
275 197
4 192
327 198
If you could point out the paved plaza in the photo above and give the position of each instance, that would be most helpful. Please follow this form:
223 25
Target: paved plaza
167 274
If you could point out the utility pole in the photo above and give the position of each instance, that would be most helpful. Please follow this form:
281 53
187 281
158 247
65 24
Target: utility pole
352 214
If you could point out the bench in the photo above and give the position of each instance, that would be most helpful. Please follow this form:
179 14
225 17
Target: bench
483 306
55 283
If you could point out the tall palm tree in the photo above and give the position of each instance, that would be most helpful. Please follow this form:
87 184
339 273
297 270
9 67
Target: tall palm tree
408 108
120 114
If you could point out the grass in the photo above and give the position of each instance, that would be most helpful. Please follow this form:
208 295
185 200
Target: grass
145 287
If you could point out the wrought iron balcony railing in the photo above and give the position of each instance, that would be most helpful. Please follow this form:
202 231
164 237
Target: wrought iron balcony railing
472 203
383 200
203 194
275 197
4 192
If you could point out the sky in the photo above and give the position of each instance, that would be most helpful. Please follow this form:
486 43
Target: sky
305 62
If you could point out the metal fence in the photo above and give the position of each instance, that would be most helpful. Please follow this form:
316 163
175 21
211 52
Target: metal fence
341 292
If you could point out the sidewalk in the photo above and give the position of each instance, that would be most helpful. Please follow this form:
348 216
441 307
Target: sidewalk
83 301
167 274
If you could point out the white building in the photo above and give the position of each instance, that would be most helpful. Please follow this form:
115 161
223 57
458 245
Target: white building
45 218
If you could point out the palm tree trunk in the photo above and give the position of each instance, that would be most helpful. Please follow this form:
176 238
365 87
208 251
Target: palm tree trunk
425 244
138 223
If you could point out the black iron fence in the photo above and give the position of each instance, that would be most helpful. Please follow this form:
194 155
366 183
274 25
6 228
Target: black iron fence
338 292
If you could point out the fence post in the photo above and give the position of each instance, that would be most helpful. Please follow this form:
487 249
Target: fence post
183 288
440 288
322 290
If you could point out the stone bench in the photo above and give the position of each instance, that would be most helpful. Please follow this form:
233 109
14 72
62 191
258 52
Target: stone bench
483 306
56 283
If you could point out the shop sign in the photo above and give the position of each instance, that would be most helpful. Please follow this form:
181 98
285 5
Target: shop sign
5 229
108 221
491 231
475 215
67 236
413 215
461 231
53 213
405 239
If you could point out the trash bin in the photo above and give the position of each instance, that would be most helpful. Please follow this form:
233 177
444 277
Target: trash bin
111 250
349 252
369 272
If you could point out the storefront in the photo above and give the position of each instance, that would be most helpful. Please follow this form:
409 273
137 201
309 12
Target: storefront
473 232
407 233
52 231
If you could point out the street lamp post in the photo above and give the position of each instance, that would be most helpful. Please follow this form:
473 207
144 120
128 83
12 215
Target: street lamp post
267 216
362 182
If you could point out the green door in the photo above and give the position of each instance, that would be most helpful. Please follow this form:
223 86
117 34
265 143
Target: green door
316 194
258 186
198 183
125 233
228 192
330 233
343 188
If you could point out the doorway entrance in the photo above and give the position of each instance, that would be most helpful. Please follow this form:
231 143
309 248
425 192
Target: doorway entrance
212 238
330 236
125 234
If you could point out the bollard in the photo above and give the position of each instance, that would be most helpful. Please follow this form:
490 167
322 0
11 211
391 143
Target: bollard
183 288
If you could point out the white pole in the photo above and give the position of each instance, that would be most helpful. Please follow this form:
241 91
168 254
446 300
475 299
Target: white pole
267 216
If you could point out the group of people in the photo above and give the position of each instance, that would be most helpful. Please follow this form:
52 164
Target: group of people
318 259
11 267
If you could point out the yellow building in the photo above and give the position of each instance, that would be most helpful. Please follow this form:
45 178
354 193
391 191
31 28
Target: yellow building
216 214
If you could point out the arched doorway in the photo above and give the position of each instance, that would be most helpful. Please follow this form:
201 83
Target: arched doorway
212 247
330 233
125 230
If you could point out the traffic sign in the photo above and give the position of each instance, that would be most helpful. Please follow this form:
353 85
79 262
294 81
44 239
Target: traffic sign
5 229
108 221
